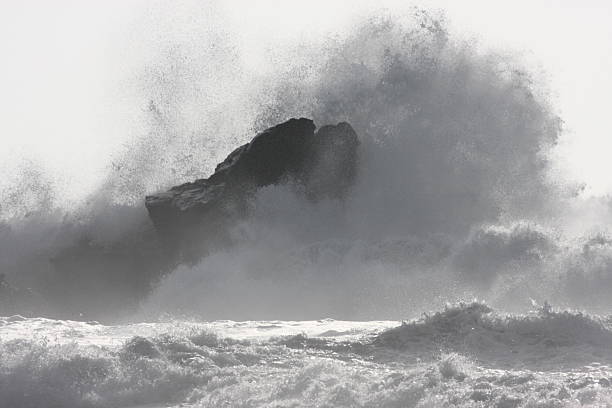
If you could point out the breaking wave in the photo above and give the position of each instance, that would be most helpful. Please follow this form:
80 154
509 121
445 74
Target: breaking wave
465 355
544 340
455 196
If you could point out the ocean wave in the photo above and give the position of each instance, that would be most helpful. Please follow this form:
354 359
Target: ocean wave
66 364
452 136
546 339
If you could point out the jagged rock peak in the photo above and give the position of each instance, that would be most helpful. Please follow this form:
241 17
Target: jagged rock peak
324 163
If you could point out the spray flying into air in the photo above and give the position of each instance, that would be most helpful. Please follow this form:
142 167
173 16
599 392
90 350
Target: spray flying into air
454 198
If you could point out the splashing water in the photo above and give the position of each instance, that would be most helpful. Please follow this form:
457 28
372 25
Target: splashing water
455 140
455 199
466 355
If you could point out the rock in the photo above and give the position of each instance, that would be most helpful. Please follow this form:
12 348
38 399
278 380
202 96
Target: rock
323 163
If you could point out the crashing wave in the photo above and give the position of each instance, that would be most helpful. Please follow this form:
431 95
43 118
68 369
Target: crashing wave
546 338
189 364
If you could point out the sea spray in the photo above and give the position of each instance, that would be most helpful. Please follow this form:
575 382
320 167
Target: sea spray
455 140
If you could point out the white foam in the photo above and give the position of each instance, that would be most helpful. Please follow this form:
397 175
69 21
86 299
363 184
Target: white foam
304 363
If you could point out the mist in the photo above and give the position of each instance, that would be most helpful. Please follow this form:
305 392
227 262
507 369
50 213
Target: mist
457 195
318 204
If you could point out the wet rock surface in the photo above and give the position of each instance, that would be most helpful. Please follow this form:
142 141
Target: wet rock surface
322 163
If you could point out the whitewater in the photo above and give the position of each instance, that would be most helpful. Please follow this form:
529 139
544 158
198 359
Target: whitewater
458 269
465 355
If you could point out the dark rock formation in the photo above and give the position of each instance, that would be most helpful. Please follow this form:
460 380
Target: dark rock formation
323 163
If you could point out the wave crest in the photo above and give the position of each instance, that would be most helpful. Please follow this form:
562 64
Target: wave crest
566 338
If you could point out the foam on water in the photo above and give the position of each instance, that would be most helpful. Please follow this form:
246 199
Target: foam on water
543 340
466 355
455 199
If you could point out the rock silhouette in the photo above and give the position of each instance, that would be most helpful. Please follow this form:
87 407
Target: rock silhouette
194 216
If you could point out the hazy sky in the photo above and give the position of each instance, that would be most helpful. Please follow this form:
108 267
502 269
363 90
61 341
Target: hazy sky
66 66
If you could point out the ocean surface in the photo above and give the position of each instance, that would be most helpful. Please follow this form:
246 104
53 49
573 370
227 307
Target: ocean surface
465 355
460 194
